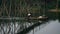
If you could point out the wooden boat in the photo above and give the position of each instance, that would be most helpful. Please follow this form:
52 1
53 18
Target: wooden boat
37 18
43 17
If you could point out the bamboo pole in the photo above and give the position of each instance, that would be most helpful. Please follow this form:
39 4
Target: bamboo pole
20 9
33 30
40 8
0 11
10 7
44 8
5 8
15 9
57 9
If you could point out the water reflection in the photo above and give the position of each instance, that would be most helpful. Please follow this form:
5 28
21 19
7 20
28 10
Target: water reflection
50 27
9 28
41 27
14 27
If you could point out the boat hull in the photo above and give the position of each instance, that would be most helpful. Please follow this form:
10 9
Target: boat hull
35 18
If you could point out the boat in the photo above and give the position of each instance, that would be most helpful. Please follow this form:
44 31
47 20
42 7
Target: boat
42 18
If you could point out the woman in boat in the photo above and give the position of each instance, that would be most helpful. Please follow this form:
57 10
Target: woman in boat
29 17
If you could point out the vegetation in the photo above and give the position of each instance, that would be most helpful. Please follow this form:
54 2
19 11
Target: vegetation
20 8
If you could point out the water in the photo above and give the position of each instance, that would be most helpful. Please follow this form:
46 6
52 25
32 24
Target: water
50 27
